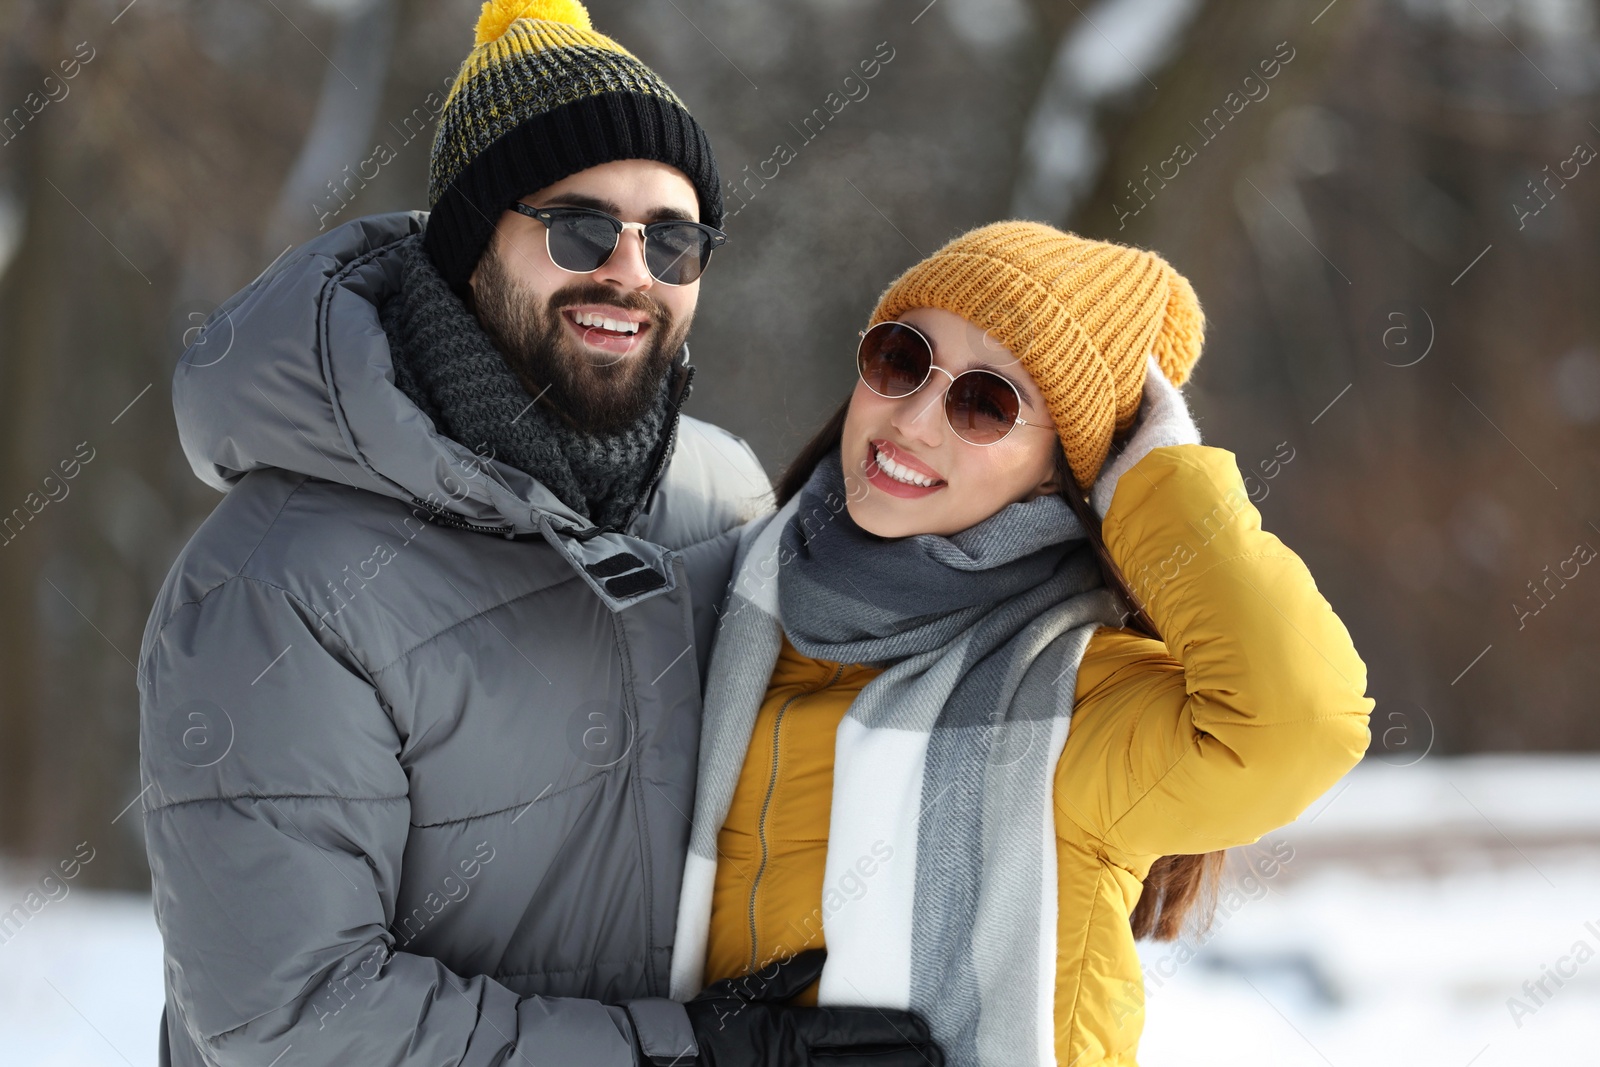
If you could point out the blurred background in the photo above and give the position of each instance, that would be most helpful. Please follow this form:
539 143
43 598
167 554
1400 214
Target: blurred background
1388 208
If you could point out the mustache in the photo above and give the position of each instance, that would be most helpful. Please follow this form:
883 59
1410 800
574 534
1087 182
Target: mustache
595 293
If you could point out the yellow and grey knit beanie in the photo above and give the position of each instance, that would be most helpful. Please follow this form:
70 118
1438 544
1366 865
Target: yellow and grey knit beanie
542 96
1079 314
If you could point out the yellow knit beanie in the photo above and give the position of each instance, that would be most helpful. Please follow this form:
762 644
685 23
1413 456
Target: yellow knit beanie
1079 314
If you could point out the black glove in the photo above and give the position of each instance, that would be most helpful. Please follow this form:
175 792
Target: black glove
743 1022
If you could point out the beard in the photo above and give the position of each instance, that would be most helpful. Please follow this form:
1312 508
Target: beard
595 392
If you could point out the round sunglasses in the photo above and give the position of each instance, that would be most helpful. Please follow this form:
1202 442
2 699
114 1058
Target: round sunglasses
581 239
982 407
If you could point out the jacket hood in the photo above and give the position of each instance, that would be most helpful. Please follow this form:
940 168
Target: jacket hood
294 372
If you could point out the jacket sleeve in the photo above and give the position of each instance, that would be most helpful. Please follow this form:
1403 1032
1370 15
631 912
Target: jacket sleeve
1251 706
276 818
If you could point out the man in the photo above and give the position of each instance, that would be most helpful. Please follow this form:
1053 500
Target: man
420 699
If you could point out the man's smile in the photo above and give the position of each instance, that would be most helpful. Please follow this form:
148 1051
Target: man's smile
607 327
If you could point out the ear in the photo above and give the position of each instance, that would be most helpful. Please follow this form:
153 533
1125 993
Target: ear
1051 484
1057 478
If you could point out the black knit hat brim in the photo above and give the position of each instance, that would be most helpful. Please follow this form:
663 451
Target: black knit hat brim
554 145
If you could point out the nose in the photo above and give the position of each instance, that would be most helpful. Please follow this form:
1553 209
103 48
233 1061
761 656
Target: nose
626 268
920 416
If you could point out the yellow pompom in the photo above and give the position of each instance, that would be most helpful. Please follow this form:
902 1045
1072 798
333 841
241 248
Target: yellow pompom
1183 329
498 15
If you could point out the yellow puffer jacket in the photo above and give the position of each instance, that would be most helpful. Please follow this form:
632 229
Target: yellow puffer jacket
1250 709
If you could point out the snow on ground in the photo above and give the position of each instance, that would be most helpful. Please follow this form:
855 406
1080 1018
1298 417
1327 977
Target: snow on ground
1391 925
1415 903
1342 968
80 981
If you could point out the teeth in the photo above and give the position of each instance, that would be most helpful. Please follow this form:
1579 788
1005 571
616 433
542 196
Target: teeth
594 318
901 473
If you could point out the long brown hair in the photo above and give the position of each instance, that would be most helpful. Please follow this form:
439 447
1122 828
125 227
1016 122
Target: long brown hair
1177 888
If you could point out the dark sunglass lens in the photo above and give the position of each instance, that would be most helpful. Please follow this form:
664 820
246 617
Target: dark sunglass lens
581 243
677 255
894 359
982 407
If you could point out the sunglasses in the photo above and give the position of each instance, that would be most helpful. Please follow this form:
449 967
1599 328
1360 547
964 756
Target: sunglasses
982 407
581 240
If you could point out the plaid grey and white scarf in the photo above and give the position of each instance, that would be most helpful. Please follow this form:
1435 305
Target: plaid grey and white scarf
940 880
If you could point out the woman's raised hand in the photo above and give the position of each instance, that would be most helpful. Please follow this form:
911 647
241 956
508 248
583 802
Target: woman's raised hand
1163 419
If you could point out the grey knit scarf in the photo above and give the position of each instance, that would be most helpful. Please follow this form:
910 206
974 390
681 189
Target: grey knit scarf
451 369
945 761
852 597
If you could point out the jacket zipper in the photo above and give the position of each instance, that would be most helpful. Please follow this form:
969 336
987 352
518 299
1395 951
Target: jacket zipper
449 518
766 805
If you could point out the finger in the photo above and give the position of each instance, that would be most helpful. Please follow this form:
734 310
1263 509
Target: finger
839 1028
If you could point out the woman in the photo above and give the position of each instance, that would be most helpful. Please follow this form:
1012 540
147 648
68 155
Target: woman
886 766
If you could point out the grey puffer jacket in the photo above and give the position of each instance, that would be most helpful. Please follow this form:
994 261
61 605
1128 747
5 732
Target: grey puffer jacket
418 742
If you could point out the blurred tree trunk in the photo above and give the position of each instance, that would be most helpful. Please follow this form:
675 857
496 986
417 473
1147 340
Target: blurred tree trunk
31 306
347 109
198 120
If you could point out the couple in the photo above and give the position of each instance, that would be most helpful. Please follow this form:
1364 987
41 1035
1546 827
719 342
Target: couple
495 717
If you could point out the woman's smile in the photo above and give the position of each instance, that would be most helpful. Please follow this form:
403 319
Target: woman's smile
898 472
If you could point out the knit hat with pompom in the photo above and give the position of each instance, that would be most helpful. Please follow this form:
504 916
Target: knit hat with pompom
1080 315
542 96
